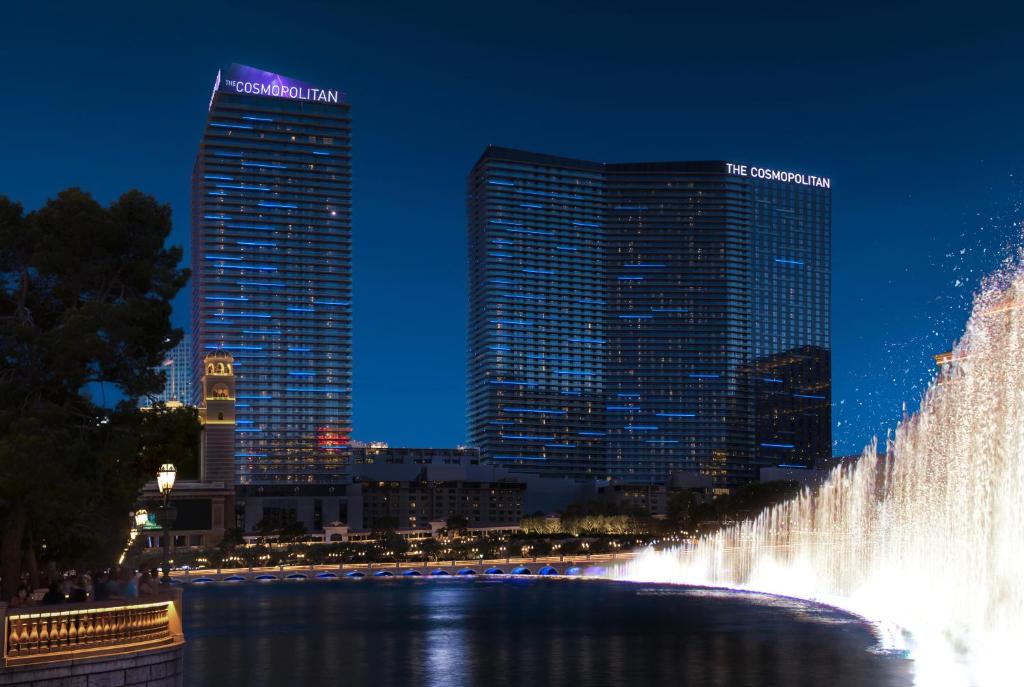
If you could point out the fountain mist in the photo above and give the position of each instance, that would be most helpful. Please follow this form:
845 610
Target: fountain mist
928 538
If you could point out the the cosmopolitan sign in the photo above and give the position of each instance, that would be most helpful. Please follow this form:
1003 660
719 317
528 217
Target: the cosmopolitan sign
251 81
776 175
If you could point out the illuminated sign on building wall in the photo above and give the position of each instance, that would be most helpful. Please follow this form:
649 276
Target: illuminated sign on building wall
776 175
240 78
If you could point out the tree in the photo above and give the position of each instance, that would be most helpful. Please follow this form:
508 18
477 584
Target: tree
457 523
171 435
85 303
294 530
681 505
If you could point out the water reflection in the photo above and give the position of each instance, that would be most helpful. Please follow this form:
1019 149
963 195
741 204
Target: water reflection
502 633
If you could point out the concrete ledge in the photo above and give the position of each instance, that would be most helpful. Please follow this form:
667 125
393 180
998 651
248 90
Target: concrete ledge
159 667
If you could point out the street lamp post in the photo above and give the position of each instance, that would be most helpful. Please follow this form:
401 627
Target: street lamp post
165 482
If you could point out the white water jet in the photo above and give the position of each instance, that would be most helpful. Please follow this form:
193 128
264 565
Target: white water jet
926 540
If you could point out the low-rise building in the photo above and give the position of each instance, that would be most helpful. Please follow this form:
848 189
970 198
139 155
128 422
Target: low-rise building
651 499
435 497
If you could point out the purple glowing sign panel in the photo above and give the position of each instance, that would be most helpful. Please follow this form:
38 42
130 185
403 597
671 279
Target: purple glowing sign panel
251 81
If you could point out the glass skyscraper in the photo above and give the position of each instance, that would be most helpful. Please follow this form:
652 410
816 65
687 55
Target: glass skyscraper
537 342
708 285
271 260
177 365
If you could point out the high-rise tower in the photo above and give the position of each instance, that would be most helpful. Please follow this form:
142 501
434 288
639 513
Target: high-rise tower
271 260
536 313
688 300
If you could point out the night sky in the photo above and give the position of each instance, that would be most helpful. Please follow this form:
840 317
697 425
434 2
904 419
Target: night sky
916 114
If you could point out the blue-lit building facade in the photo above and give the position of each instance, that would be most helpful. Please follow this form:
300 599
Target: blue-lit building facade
537 342
712 282
271 260
177 369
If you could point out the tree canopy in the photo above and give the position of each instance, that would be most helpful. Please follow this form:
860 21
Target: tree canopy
85 304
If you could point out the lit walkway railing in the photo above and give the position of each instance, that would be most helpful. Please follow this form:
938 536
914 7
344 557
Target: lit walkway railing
43 634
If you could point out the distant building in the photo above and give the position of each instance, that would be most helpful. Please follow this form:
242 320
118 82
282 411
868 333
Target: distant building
411 487
793 404
651 499
177 365
628 320
271 270
379 453
432 497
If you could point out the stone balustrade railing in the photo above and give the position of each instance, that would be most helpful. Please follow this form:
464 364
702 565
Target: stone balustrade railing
44 634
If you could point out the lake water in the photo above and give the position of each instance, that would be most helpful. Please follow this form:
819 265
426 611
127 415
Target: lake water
503 632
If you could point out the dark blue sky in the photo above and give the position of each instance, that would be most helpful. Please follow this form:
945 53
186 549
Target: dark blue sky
915 113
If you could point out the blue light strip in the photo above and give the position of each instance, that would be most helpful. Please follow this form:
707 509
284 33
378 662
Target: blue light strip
243 187
518 458
532 232
522 296
310 389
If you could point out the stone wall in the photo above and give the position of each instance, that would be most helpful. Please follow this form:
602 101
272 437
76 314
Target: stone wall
160 667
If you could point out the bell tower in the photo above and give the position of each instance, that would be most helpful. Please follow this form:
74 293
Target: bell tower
217 414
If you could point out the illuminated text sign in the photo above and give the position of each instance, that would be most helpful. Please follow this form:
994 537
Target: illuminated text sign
776 175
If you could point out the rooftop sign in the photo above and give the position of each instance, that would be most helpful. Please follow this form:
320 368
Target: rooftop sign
775 175
251 81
